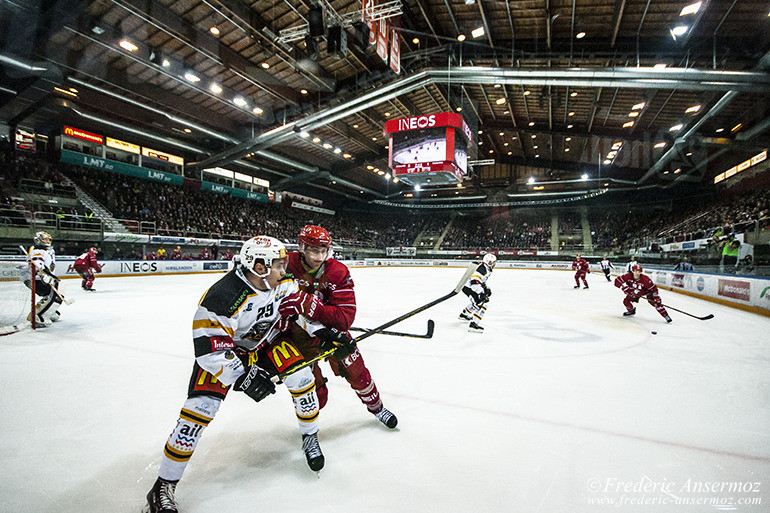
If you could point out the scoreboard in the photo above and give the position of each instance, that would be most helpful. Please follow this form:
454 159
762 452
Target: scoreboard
430 149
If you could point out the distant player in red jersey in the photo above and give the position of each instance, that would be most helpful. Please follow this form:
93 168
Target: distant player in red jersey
581 266
85 266
327 297
636 285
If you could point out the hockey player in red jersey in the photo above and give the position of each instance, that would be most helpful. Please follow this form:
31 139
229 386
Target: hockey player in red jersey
636 285
328 297
85 266
581 266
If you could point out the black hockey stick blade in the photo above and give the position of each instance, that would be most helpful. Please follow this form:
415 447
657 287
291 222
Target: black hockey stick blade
429 334
383 327
705 318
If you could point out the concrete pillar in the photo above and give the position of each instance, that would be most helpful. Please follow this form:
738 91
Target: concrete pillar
554 230
588 245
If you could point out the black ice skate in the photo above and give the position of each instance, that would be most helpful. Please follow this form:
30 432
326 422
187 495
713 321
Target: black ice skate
386 417
315 458
669 319
475 328
631 312
576 287
161 498
585 287
465 317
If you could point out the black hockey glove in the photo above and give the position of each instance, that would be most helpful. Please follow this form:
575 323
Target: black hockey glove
255 383
479 298
332 338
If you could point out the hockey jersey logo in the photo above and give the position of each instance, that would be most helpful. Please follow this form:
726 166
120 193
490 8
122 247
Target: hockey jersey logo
256 332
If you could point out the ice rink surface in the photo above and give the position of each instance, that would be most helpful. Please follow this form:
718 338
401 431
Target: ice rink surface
561 405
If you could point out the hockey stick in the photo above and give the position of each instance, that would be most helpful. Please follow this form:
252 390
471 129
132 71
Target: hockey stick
67 301
383 327
429 334
707 317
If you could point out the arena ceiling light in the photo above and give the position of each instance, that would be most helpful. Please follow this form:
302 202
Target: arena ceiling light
584 176
316 140
690 9
580 35
573 94
240 101
257 111
477 32
304 134
337 150
660 145
531 180
531 123
693 109
416 40
676 128
633 114
128 45
214 30
215 88
607 162
628 124
638 106
461 37
191 77
679 30
500 101
718 130
526 93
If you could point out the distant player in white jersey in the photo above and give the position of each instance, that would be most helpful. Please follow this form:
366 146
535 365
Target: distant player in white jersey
606 265
241 341
631 264
477 290
43 257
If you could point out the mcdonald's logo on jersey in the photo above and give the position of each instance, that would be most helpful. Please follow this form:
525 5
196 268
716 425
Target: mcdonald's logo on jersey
284 355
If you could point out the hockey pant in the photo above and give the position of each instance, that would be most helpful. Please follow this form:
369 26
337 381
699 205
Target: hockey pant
88 277
580 275
653 299
606 273
354 370
206 393
475 309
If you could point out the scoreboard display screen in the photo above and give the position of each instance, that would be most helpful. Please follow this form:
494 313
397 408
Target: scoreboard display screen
25 139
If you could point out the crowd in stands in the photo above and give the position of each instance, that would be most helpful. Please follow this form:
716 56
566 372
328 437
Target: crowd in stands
163 209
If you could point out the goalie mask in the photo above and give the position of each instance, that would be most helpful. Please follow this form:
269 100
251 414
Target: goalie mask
489 259
262 250
315 237
42 238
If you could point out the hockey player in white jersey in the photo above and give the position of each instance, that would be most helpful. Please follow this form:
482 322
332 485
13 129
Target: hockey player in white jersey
606 265
241 341
477 290
43 257
630 266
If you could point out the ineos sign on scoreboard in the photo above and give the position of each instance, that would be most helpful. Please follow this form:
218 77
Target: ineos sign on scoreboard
416 122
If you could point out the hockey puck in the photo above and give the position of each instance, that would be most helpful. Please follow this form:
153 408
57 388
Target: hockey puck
654 332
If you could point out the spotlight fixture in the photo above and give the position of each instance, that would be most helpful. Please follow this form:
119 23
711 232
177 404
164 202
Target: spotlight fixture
128 45
461 37
580 35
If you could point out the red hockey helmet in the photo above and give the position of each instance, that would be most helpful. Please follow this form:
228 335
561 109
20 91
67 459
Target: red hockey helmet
637 267
314 236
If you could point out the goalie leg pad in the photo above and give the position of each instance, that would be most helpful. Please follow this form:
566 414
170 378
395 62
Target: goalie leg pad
196 414
301 385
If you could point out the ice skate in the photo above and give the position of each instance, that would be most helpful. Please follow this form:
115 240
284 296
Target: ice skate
576 287
315 458
585 287
161 498
669 319
386 417
630 312
475 328
465 317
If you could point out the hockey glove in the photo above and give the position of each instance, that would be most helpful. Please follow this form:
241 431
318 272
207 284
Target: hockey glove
255 383
340 342
479 298
300 303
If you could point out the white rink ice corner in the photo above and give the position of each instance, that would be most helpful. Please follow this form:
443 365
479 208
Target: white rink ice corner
561 405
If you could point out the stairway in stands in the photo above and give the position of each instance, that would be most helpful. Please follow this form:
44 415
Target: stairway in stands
110 223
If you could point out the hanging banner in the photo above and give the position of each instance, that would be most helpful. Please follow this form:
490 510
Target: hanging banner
382 39
395 51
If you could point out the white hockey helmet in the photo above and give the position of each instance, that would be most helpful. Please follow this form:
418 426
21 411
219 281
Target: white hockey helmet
43 238
263 250
489 259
